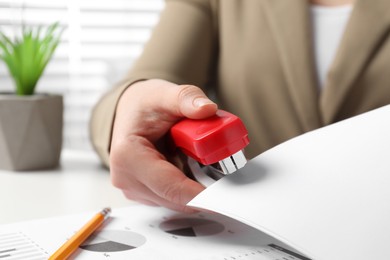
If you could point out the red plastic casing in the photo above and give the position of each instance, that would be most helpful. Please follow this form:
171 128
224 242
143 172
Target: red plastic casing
212 139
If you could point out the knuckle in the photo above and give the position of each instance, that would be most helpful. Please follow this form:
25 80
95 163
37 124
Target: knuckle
129 195
172 193
121 172
184 209
117 181
121 153
189 91
116 156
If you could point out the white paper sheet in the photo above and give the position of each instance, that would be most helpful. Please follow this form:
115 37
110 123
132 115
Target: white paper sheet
144 233
326 193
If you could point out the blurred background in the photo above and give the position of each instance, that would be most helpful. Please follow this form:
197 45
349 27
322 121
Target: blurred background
100 42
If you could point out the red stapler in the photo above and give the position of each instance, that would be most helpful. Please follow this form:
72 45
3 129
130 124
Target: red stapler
214 145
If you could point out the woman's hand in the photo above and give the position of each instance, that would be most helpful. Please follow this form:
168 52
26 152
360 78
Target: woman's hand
145 113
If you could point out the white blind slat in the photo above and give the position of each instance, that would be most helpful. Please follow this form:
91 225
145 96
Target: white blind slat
100 41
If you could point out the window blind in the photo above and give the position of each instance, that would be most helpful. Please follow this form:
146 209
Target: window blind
100 42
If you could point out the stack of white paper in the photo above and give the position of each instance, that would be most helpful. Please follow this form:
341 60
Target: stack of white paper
326 193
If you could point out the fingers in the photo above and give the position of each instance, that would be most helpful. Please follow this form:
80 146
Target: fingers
145 176
174 100
173 186
150 108
145 113
193 103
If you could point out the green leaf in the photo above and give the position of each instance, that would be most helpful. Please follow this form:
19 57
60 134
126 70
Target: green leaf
27 57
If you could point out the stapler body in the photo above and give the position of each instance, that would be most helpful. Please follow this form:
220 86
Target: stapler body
214 145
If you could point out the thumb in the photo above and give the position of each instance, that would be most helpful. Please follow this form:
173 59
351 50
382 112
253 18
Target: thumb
194 104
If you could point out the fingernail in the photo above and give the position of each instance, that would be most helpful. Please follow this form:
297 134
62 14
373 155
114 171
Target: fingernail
200 102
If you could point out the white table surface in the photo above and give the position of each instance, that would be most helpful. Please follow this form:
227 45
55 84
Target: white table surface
80 184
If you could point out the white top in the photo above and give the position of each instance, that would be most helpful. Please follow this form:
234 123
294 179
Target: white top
328 28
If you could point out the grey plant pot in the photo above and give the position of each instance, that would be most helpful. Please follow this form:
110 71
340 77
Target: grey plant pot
30 131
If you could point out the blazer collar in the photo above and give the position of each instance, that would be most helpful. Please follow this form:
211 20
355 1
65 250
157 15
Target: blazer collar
289 21
364 33
291 27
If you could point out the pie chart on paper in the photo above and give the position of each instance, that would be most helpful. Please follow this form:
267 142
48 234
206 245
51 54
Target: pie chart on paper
113 241
191 227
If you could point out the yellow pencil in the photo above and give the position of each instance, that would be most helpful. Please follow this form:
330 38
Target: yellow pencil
75 241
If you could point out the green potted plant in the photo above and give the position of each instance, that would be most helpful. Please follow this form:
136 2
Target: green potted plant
30 123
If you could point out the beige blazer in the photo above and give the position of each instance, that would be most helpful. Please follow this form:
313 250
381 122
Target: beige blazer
256 56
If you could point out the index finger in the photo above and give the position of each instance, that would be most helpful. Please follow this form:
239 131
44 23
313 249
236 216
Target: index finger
164 183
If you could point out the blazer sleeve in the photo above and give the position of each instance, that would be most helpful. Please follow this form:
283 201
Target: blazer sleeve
180 50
